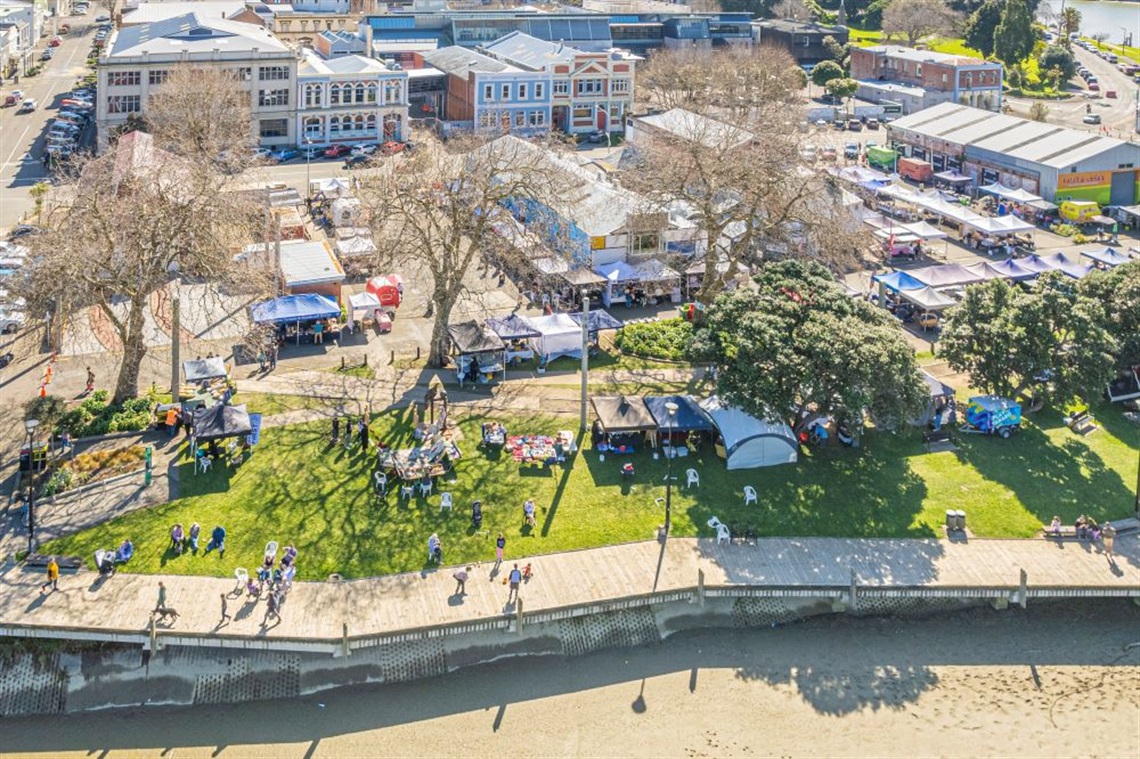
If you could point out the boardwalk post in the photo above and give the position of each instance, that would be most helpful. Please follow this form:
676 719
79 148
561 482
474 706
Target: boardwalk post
344 650
518 616
852 598
701 587
1023 589
153 637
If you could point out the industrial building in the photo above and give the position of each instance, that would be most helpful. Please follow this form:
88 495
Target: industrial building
1052 161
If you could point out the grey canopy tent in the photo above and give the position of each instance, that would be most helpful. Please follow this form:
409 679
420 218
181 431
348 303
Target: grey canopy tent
512 327
203 369
473 337
928 299
598 320
480 352
221 421
623 413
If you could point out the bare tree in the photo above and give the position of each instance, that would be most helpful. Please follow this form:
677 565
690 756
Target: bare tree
917 19
793 9
122 226
202 112
738 79
435 210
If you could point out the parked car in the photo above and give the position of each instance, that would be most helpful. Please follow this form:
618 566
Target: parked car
80 106
1092 118
829 154
262 154
851 150
596 137
855 125
1094 87
357 162
391 147
28 105
55 42
364 149
1110 94
47 55
312 152
281 155
22 230
13 98
336 151
872 123
99 19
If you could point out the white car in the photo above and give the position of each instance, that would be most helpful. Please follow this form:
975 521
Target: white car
10 321
262 154
364 149
28 105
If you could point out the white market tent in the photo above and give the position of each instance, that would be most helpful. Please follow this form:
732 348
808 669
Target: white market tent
620 272
925 230
558 335
362 303
1009 193
333 187
928 299
749 442
1011 224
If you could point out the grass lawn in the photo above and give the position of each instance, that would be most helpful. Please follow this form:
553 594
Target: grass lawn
953 46
864 38
270 404
296 490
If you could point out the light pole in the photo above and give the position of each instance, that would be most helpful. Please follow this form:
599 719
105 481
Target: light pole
671 407
585 356
308 163
30 426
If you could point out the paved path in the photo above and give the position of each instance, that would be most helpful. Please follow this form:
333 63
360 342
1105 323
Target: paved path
316 611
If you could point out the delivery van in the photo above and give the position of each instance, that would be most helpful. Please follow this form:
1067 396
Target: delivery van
1078 211
913 168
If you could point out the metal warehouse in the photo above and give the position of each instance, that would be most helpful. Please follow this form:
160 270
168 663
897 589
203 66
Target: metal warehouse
1054 162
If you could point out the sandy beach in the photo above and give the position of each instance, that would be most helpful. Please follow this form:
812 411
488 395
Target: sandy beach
1052 681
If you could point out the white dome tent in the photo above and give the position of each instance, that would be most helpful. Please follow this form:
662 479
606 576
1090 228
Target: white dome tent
749 442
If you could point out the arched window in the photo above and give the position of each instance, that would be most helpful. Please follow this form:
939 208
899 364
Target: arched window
359 124
312 95
313 127
359 92
370 96
334 126
334 94
371 123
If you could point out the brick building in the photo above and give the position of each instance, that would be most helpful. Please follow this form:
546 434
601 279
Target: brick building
942 77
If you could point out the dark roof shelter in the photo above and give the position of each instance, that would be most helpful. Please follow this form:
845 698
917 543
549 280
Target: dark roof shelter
220 422
473 337
623 413
202 369
512 327
938 388
690 416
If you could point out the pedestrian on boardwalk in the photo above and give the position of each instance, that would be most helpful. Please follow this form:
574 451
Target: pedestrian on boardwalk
225 608
461 581
274 607
161 605
90 381
52 576
1108 535
500 544
515 577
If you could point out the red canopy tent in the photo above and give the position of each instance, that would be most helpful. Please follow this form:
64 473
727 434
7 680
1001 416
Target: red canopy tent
387 289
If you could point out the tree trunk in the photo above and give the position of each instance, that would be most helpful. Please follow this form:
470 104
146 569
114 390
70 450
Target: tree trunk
444 302
134 348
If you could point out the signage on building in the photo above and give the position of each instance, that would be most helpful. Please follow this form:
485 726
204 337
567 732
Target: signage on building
1084 179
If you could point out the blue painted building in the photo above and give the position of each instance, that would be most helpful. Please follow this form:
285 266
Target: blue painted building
490 95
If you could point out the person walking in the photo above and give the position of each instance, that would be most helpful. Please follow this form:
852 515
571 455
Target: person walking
335 429
225 609
1108 535
161 605
461 581
52 576
500 544
90 381
274 607
514 578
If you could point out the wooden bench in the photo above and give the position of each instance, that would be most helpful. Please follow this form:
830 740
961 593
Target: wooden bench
938 436
66 563
1082 422
1068 532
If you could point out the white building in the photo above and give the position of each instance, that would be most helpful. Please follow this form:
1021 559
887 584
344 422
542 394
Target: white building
23 23
139 58
350 99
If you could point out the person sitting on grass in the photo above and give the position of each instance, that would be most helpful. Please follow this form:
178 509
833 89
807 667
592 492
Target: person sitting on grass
1055 526
177 535
217 540
289 556
192 537
528 512
435 549
125 552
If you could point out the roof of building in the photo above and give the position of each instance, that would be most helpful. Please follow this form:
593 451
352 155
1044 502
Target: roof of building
194 34
304 262
693 126
793 26
1047 144
458 61
150 12
906 89
529 52
927 56
312 64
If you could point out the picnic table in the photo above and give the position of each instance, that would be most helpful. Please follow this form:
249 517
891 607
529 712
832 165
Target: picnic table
540 448
430 460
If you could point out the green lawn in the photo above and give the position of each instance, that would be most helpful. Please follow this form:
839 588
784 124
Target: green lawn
296 490
953 46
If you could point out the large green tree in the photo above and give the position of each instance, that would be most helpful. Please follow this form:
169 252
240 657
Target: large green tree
981 26
1118 292
1014 37
1057 57
1070 22
798 346
825 71
1009 339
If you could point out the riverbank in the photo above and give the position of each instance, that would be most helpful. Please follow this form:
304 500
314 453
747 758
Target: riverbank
1053 680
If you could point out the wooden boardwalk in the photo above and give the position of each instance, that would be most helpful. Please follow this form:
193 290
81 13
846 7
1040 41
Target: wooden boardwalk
119 607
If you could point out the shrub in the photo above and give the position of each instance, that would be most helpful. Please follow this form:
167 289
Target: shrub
95 416
666 339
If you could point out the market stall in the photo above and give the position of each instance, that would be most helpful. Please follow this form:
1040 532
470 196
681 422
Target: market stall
597 321
746 442
433 459
621 424
557 335
1107 257
389 290
295 315
540 449
478 352
644 283
684 429
513 330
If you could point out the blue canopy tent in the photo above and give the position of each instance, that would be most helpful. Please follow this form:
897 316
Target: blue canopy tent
1013 270
690 416
308 307
897 281
1068 266
1110 257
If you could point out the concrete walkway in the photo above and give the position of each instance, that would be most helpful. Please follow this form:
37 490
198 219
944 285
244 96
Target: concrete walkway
319 611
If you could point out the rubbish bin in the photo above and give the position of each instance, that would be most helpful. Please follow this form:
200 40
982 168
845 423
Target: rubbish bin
951 520
960 520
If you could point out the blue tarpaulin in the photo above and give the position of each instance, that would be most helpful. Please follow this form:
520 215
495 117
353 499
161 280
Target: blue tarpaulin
898 280
690 416
295 308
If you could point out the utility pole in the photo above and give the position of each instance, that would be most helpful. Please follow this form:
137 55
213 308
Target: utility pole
585 355
175 343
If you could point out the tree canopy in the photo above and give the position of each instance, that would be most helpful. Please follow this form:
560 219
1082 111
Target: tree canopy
916 19
1008 338
825 71
843 88
1013 36
981 26
1118 292
798 346
1058 57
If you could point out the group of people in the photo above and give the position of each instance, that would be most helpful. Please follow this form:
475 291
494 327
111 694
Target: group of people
1087 529
181 540
106 559
274 578
359 427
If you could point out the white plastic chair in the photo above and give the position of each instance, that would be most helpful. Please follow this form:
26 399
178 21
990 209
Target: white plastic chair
750 495
445 502
242 576
406 491
271 549
204 464
722 534
380 482
425 488
692 478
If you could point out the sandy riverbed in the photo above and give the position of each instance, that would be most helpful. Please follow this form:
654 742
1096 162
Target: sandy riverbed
1053 681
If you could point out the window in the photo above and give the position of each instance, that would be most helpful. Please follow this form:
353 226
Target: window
488 92
274 128
645 242
487 119
393 92
620 86
245 73
158 76
334 126
273 73
591 87
537 118
520 118
312 128
506 92
522 92
124 104
360 90
124 78
268 98
538 90
807 41
312 95
370 122
560 89
370 97
918 69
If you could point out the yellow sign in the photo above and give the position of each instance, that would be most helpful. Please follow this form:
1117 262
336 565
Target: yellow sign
598 243
1084 179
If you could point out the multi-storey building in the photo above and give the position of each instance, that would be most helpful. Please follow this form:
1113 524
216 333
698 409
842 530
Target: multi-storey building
350 99
589 90
802 39
942 77
490 95
138 59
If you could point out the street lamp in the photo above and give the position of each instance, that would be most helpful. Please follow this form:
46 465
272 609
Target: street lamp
308 163
30 426
671 407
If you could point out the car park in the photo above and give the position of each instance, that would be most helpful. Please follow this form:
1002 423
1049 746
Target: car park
281 155
336 151
28 105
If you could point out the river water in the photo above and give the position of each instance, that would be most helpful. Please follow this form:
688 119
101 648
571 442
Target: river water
1111 18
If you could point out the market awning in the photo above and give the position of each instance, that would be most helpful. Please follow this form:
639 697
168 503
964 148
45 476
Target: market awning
474 337
364 301
1008 269
511 327
690 417
581 277
646 271
1009 193
952 177
946 275
1107 256
1068 266
221 421
294 308
1041 205
928 299
202 369
599 320
925 230
623 413
898 281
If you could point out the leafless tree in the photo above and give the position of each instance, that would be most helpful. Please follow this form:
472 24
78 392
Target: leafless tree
793 9
435 211
204 113
915 20
738 79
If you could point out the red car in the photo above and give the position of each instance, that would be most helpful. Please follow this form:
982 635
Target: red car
336 151
55 42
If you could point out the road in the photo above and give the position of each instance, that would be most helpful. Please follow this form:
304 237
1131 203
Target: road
1118 114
